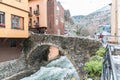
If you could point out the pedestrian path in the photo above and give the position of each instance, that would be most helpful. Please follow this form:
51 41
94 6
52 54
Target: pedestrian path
111 64
116 62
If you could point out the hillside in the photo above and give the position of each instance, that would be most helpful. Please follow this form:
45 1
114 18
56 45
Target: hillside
94 20
70 27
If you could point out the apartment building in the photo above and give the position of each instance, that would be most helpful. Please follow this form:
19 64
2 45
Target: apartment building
13 27
55 16
115 21
46 16
37 15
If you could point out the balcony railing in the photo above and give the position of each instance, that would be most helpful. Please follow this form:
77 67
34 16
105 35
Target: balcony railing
30 14
37 25
36 12
30 24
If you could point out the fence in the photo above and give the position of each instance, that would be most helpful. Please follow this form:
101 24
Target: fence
108 70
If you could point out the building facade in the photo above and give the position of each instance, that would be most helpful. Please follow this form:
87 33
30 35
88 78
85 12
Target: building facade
104 28
115 21
38 15
55 17
13 27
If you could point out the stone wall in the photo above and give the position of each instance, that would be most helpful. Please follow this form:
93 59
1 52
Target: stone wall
12 67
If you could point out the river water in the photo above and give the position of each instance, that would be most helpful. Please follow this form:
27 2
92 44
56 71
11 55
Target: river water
60 69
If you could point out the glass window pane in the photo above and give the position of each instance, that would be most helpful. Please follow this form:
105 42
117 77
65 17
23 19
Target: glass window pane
2 19
17 22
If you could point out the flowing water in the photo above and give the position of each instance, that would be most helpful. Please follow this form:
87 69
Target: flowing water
60 69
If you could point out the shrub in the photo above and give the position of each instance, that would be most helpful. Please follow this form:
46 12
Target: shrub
96 58
101 51
94 66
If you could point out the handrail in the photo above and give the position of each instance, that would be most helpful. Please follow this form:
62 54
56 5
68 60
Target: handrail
112 64
108 70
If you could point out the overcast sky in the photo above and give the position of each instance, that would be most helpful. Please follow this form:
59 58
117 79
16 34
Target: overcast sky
83 7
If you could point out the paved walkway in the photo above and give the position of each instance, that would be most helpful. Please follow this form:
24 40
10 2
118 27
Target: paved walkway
116 61
115 58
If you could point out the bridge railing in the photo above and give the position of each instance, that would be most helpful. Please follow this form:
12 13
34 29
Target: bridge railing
108 69
108 38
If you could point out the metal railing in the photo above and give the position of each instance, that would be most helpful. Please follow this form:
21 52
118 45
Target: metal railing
108 70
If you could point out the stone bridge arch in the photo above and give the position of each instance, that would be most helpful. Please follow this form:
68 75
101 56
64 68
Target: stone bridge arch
42 48
33 53
78 50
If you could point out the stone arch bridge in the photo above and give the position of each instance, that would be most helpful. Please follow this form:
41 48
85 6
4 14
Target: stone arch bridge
77 49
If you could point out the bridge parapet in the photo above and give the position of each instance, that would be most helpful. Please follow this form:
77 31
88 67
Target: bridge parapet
71 43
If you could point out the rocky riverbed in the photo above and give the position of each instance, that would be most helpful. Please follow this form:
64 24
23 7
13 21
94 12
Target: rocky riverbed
60 69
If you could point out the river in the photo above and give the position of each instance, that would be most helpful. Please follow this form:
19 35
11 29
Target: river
60 69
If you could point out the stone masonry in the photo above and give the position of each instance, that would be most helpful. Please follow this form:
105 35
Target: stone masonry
12 67
36 49
77 49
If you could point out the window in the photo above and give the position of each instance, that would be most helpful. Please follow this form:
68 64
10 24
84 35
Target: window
38 20
30 9
50 24
30 22
62 20
58 31
12 43
56 21
17 22
2 19
57 11
30 13
36 12
37 7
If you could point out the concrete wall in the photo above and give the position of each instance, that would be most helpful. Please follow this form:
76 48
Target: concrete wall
23 4
118 7
114 21
42 10
50 17
61 19
55 25
5 6
7 52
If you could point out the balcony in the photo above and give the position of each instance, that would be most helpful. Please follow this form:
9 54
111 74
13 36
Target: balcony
36 12
36 25
30 25
30 14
